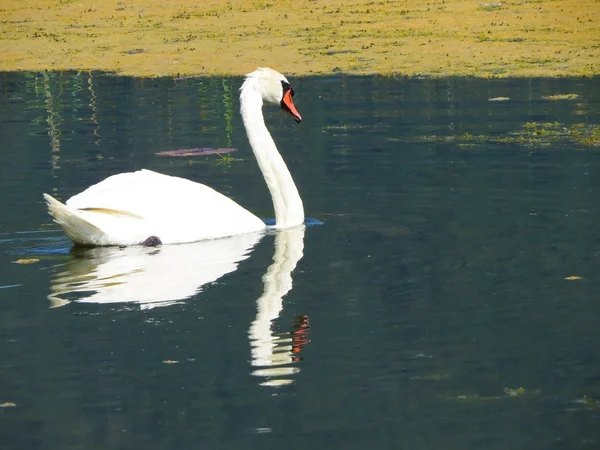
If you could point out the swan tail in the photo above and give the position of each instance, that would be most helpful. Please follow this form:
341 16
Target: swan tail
74 224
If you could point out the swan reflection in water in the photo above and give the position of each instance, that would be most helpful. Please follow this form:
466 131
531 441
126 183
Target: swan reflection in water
156 277
148 276
272 351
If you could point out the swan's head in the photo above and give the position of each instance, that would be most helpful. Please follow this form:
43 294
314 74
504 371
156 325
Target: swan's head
273 87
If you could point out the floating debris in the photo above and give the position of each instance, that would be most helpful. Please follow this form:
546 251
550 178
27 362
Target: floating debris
261 430
196 151
508 392
432 377
135 51
7 405
585 400
514 392
26 261
561 97
498 99
489 6
170 361
421 355
573 277
474 397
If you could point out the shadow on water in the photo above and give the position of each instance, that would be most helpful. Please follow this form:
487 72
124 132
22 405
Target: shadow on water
450 291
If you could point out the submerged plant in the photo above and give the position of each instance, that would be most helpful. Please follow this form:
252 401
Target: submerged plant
226 159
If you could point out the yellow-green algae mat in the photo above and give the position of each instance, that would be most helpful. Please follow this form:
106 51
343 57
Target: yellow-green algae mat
217 37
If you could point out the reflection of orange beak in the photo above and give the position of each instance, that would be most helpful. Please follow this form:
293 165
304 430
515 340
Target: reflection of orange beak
288 105
300 335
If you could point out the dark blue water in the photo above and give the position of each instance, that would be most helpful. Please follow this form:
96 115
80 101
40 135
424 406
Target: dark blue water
448 301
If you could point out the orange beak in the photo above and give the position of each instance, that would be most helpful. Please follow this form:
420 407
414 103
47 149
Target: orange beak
288 106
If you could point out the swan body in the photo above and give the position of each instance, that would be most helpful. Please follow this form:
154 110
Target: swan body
128 208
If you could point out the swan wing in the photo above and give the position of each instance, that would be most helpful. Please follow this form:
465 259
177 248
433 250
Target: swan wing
174 209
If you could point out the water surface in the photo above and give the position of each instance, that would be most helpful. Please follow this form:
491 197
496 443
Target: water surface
447 301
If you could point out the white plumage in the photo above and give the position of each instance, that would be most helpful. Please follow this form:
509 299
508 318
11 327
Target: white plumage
128 208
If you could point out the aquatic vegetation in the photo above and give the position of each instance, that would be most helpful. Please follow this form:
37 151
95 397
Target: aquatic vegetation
495 39
543 132
587 401
514 392
344 127
490 6
508 392
226 159
532 134
561 97
432 377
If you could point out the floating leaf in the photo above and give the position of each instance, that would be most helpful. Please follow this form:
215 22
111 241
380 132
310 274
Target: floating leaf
26 261
196 151
498 99
7 405
573 277
170 361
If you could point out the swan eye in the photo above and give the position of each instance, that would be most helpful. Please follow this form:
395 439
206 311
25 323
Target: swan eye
286 86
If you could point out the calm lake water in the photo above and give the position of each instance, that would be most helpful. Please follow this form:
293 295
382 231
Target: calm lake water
449 299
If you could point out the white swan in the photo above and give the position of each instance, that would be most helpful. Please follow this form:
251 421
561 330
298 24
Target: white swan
146 207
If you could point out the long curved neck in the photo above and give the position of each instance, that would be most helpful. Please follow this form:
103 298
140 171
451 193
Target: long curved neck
287 203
